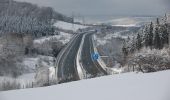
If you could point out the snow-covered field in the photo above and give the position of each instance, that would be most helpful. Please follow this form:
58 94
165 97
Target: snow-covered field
129 21
29 76
110 36
30 65
68 26
129 86
32 62
62 37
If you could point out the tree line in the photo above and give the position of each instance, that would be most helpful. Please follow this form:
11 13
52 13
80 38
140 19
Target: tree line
153 36
26 18
148 50
20 24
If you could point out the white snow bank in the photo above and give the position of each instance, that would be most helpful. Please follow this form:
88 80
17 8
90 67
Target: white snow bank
68 26
129 86
62 37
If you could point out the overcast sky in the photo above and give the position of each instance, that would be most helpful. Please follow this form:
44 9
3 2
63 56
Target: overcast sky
105 7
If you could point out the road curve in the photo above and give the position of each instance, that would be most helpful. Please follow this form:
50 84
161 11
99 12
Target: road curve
67 60
67 69
92 67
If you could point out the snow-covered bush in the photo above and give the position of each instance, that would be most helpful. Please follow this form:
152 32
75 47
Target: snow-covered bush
8 83
9 66
150 60
49 47
45 76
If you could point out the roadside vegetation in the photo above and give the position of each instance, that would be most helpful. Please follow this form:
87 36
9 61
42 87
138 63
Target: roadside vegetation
21 24
148 51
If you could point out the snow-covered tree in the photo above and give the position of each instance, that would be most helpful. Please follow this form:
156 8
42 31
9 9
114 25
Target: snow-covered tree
150 35
138 42
146 36
157 39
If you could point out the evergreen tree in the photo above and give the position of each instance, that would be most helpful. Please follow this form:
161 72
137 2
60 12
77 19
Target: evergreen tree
157 22
164 35
125 52
150 35
133 45
138 42
146 36
124 49
157 39
165 19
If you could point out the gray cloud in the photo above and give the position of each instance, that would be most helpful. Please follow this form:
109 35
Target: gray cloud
105 7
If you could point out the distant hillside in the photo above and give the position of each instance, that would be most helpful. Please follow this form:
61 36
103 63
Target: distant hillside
20 24
26 18
10 7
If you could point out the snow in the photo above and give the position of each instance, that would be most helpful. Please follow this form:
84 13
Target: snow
129 21
116 35
46 62
30 63
26 78
147 51
29 76
62 37
100 41
129 86
23 80
80 69
109 36
124 22
68 26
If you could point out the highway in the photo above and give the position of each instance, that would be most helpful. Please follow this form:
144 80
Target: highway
92 68
66 62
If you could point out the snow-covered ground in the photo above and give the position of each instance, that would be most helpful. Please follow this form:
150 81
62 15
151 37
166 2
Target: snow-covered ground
30 64
29 76
68 26
62 37
129 21
110 36
129 86
33 62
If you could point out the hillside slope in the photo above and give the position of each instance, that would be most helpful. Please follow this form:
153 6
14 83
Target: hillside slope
130 86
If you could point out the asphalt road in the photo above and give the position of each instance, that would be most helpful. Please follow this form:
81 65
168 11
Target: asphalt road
67 69
92 67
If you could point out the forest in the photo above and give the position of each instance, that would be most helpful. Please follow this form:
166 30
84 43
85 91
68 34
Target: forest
148 51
